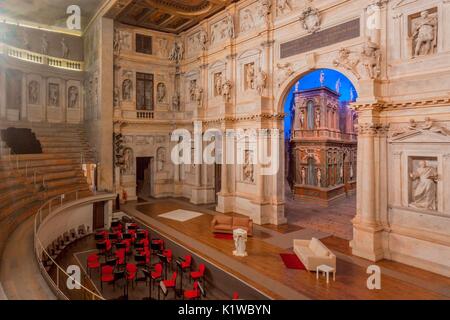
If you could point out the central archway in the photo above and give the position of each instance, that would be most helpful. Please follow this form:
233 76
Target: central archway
320 150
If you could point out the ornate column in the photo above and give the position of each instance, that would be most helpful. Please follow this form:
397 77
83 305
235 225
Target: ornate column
367 228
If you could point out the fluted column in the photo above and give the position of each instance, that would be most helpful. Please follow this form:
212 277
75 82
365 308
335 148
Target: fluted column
367 229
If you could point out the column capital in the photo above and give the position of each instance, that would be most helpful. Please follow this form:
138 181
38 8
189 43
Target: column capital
372 129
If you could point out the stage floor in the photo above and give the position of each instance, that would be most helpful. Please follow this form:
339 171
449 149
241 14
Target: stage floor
264 270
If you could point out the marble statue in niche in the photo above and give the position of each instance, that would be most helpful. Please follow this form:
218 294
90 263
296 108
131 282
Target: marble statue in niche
33 92
73 97
161 159
161 92
424 179
192 88
249 70
260 81
319 177
226 90
177 52
371 59
127 88
44 44
53 95
302 119
176 102
117 42
424 34
248 169
65 49
317 118
310 18
303 175
128 161
284 6
218 84
247 21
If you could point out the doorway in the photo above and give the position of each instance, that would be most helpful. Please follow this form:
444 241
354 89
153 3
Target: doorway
217 180
144 177
98 221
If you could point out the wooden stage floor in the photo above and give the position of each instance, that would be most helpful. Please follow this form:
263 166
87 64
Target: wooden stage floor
264 269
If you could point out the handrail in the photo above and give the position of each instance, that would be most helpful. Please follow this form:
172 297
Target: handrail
38 245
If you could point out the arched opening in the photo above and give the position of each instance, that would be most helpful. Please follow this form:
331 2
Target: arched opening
321 148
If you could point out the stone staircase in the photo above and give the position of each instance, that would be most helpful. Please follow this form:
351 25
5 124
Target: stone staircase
26 181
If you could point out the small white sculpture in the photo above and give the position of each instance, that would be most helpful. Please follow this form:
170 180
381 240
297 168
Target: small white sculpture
44 45
73 97
319 177
240 242
303 175
424 192
338 85
322 78
65 49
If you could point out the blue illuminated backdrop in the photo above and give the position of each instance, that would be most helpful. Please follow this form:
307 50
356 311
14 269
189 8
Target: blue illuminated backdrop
311 81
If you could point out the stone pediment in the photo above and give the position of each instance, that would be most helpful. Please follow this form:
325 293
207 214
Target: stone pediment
421 136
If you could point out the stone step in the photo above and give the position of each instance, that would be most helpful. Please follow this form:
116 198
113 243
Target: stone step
55 144
53 192
36 164
54 176
12 193
63 150
64 182
10 207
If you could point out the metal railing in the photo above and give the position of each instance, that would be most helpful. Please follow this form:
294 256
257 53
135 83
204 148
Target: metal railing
56 276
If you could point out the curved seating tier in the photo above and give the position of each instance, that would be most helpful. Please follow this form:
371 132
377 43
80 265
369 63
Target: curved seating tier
28 180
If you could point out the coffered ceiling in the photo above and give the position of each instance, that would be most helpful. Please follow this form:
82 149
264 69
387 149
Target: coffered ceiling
172 16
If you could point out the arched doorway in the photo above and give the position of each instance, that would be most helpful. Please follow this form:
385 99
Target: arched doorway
321 151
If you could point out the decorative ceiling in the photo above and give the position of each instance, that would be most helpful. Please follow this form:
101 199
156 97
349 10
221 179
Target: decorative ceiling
173 16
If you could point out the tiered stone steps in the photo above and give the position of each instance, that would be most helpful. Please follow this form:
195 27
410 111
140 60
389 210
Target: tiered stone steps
26 181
